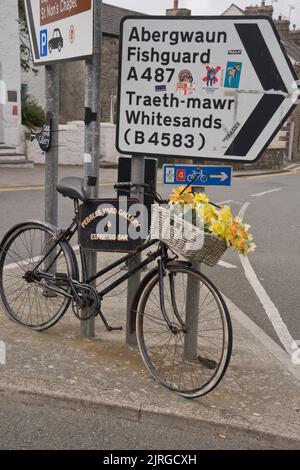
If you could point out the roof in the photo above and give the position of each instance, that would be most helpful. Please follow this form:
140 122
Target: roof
233 10
292 49
112 16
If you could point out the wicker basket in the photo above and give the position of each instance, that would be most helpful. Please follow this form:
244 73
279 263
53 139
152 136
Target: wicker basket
185 238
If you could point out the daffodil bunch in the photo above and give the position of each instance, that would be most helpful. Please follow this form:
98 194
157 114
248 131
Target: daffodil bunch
219 222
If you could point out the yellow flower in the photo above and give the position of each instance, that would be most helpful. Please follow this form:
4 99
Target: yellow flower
201 198
179 197
225 214
220 222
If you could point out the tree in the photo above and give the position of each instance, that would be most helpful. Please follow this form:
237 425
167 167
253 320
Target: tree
25 51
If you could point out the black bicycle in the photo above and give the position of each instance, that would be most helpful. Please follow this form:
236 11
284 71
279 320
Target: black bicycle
185 339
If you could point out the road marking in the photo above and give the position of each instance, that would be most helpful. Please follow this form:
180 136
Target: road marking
25 262
271 175
280 354
267 304
25 188
36 188
226 265
225 202
266 192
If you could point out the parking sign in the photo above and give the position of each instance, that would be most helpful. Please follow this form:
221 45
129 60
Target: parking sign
44 43
60 30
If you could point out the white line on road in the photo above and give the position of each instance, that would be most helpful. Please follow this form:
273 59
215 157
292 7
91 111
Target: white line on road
266 192
265 339
268 306
225 202
226 265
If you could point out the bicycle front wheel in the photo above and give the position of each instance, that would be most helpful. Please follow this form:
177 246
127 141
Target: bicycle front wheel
191 356
30 301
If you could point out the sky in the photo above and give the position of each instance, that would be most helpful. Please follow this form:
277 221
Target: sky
208 7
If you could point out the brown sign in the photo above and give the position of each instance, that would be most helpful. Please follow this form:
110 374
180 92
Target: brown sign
55 10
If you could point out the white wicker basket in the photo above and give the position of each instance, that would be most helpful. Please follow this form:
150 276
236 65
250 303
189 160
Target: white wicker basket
185 238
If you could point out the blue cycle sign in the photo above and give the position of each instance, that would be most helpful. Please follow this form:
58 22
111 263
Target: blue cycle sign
200 175
216 88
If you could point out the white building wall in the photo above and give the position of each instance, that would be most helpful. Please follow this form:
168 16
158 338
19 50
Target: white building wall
36 85
10 65
71 145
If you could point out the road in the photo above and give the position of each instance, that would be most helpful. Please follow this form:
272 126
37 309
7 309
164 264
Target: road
31 423
266 288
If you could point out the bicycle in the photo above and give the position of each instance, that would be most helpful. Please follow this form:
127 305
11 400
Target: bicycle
198 174
39 280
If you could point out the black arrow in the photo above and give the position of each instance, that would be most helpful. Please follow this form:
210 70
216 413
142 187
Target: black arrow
270 79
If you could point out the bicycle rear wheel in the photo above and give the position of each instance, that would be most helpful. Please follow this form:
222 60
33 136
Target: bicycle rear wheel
27 300
191 357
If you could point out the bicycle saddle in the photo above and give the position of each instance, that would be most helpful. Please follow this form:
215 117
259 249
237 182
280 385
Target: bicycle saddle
72 187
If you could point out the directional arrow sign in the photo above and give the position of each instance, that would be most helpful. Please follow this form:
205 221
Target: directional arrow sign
222 176
206 175
217 88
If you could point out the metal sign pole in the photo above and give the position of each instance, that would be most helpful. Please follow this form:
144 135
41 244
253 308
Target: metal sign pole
137 176
92 139
51 163
192 306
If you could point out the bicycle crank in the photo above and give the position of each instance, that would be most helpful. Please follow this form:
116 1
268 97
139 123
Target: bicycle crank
86 303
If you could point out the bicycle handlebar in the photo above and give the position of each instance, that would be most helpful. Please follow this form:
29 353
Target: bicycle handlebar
151 191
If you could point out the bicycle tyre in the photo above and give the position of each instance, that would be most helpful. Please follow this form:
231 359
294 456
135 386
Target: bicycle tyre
205 371
31 305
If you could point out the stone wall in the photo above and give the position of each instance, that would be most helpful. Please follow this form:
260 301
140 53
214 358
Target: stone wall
273 159
72 80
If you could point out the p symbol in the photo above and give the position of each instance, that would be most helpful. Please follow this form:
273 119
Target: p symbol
44 43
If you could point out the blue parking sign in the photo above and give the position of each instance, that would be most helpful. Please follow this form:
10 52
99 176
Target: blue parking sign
44 43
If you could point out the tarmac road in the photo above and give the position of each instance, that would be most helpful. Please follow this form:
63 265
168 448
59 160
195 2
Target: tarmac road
29 423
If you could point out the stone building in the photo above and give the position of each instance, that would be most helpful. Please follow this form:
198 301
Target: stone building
72 74
10 82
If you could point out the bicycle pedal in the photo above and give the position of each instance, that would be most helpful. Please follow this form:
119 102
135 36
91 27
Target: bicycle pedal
117 328
113 328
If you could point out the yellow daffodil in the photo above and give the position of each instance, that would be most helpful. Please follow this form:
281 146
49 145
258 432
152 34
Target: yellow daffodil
219 222
201 198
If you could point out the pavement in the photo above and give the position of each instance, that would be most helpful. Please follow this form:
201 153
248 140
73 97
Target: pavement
258 398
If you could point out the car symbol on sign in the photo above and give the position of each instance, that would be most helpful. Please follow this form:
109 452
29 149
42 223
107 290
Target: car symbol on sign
57 41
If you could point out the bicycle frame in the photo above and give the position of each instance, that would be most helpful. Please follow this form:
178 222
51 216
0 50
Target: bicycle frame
161 253
67 235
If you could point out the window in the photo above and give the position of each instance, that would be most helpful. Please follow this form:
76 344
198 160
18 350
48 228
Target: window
24 90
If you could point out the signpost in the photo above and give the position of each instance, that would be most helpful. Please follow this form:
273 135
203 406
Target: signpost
59 29
217 88
206 175
63 30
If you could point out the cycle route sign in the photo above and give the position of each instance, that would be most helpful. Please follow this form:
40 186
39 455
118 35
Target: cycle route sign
200 175
216 88
60 29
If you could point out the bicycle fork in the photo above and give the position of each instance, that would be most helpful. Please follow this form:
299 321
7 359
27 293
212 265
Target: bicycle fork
173 328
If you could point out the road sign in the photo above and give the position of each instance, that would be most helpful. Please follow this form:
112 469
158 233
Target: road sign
206 175
217 88
60 29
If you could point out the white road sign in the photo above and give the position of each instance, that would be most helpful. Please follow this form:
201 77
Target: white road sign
217 88
60 29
